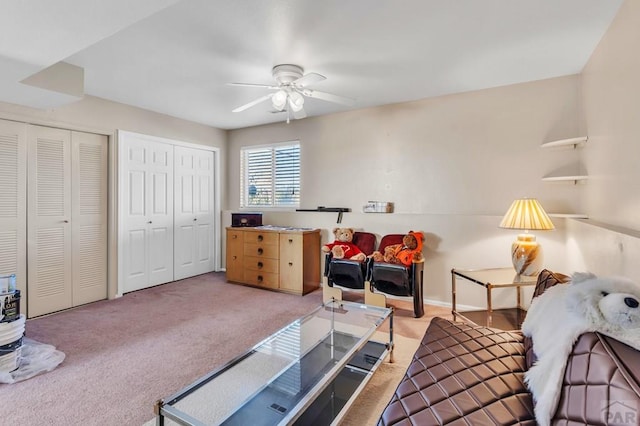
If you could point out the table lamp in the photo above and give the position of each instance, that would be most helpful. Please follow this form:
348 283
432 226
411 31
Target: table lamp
526 253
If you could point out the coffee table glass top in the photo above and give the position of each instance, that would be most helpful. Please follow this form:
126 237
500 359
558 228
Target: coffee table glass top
277 379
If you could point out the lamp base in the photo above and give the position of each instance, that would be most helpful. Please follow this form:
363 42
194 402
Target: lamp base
526 255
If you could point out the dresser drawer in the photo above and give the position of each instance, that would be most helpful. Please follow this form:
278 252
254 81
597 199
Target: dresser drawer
262 279
269 251
264 238
255 263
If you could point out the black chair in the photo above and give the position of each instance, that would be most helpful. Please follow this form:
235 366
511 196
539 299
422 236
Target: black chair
398 280
347 273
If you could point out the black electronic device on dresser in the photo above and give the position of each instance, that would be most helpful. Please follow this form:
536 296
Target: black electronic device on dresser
246 219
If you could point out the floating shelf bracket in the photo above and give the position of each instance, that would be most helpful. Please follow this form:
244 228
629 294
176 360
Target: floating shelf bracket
340 210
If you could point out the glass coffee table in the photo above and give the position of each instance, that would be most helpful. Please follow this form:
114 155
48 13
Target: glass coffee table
309 372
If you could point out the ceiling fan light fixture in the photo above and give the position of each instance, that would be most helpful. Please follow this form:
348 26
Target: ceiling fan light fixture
296 101
279 100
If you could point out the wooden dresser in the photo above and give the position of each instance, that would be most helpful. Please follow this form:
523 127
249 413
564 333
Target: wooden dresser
277 258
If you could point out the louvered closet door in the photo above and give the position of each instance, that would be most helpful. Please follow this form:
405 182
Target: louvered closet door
49 220
13 194
193 216
89 217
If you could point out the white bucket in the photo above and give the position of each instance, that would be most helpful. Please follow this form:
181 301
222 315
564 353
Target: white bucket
11 331
11 334
10 356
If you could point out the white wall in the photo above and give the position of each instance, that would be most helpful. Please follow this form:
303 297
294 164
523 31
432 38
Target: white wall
470 153
452 166
102 116
609 242
611 93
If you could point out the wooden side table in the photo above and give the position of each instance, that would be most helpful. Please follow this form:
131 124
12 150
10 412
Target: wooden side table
507 319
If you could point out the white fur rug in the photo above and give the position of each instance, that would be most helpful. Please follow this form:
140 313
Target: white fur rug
561 314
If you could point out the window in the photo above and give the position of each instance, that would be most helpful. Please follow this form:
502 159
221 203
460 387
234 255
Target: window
270 176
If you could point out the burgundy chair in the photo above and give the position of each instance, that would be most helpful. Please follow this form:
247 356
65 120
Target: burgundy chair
350 273
398 280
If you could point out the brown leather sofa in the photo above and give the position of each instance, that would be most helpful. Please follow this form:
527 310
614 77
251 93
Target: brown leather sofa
464 374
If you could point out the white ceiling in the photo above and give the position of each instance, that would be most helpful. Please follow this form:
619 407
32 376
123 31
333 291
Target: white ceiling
177 56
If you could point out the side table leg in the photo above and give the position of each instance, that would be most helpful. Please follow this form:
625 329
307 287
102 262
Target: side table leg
453 295
489 307
391 344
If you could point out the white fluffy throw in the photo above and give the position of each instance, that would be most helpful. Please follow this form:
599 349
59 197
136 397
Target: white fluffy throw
561 314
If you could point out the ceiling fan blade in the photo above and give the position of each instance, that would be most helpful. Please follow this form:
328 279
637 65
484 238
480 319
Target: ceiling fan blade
264 86
254 102
308 79
328 97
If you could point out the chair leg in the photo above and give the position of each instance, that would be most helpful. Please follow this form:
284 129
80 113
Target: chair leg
371 298
418 290
329 293
418 306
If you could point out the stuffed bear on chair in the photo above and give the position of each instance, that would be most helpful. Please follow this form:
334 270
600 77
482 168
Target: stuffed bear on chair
342 247
403 254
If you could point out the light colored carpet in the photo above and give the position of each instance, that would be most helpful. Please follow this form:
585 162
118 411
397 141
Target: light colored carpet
122 355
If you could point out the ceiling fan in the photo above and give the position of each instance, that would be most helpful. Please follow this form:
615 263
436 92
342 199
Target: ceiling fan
291 90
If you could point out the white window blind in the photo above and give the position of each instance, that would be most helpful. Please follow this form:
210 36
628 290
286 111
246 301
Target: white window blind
270 176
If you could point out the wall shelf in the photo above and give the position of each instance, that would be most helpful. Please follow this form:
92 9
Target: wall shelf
574 178
565 142
569 215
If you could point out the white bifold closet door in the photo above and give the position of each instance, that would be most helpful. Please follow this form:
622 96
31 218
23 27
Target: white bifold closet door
67 219
13 201
194 212
146 194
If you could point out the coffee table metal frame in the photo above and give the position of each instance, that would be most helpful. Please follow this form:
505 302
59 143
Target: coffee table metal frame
164 408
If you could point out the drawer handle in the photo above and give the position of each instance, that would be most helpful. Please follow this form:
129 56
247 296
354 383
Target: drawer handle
260 279
290 240
260 265
260 238
234 237
290 263
260 251
235 257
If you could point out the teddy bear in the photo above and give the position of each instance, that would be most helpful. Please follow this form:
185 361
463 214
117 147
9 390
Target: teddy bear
343 247
556 318
403 254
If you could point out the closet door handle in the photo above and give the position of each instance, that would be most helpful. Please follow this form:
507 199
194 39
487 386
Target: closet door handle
150 222
65 221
